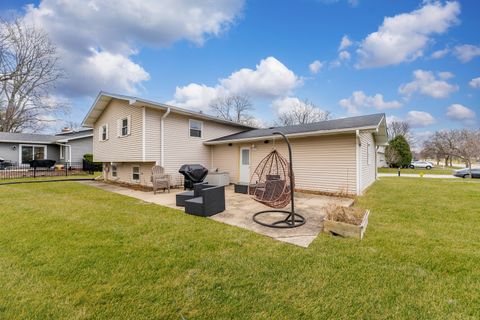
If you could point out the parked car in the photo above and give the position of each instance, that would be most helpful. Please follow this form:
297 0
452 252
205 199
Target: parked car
464 173
421 165
4 164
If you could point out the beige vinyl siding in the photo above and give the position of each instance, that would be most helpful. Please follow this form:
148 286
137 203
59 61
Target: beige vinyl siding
322 163
227 159
125 172
118 149
153 134
181 149
367 164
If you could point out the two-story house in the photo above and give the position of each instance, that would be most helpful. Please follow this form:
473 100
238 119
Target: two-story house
132 134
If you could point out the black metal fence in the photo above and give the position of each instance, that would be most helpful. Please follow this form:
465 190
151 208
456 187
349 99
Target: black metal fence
63 169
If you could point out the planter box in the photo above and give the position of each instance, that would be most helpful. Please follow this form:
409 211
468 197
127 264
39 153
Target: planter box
345 229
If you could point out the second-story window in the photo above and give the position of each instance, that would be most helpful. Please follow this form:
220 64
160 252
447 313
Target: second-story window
103 132
195 128
123 126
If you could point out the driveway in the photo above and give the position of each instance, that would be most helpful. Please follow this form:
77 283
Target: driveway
241 207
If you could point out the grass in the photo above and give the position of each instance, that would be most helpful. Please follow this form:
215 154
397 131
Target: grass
436 170
68 251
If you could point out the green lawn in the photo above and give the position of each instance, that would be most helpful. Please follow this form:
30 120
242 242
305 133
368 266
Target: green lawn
438 170
68 251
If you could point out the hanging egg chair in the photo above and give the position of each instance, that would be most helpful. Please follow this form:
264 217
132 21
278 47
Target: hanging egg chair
273 184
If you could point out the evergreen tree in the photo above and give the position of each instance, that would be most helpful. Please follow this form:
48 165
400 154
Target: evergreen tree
402 149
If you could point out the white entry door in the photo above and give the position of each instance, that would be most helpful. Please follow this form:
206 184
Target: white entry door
244 164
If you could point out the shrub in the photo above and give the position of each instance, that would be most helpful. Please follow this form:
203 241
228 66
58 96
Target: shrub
400 146
90 165
88 157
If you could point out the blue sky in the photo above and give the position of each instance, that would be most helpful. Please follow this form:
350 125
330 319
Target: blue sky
168 52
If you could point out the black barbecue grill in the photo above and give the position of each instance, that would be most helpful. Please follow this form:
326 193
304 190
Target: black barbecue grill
193 173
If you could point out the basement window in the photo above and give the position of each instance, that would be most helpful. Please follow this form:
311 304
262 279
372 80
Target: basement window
136 173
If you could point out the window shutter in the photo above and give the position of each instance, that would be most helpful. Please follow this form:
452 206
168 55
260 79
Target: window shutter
129 124
119 127
107 130
100 133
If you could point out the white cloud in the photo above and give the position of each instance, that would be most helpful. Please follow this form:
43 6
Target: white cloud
391 119
281 105
345 43
440 53
405 36
466 52
445 75
426 83
475 83
359 99
113 71
196 96
270 79
315 66
116 29
419 119
344 55
458 112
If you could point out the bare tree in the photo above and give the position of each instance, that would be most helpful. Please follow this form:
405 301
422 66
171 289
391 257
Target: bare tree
301 113
399 128
466 146
233 108
463 144
28 71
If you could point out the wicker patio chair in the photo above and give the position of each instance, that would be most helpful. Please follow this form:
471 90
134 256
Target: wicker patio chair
160 180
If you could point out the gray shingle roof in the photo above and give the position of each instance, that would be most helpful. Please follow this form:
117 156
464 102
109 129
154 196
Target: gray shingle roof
27 137
74 134
372 120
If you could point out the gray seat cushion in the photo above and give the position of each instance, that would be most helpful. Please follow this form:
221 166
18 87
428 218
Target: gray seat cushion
198 200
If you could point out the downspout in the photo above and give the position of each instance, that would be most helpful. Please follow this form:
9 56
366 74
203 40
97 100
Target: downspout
144 137
162 137
358 160
69 153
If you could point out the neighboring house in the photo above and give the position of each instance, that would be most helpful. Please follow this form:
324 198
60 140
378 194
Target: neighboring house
131 135
381 160
20 148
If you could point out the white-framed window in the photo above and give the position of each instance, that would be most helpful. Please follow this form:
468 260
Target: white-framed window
195 128
32 152
123 126
368 153
103 132
136 173
114 170
62 152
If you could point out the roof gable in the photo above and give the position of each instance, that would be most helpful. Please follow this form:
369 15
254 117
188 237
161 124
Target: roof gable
104 98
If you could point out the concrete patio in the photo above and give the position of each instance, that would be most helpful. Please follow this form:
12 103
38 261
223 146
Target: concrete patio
240 209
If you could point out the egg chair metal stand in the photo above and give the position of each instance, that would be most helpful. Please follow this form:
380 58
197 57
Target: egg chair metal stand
276 188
